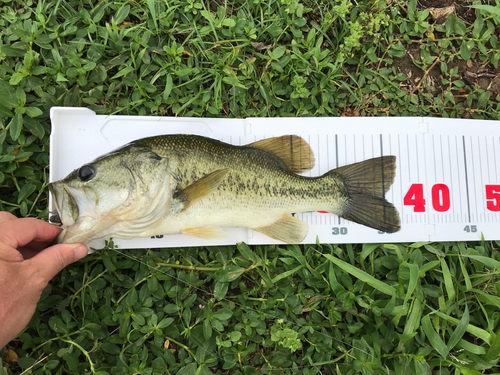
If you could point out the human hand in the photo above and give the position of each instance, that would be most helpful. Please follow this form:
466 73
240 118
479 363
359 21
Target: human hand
26 267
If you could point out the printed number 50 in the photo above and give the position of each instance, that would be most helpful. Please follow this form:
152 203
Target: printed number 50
493 197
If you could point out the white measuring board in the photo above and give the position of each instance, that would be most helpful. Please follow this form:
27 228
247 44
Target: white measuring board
447 185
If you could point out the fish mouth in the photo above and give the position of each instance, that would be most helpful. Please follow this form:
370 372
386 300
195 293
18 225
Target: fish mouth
76 207
66 205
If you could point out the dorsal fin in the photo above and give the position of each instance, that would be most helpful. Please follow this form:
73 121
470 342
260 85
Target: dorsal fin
292 149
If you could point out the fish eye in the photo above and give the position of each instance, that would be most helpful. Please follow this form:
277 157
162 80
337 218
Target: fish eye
86 173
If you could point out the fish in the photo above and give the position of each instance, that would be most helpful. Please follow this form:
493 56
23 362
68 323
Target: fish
197 186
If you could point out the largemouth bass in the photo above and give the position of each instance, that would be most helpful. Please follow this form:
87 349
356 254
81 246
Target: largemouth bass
197 186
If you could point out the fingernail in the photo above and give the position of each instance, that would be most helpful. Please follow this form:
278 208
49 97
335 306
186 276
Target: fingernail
81 252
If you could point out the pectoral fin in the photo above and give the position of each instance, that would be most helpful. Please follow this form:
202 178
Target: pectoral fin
287 229
201 188
293 150
207 233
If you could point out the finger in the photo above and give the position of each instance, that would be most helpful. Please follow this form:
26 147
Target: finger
9 254
24 252
27 253
33 248
37 245
47 263
6 216
20 232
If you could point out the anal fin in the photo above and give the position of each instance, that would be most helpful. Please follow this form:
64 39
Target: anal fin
209 233
287 229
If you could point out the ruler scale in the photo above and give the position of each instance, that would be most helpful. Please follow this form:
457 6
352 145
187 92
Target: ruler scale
447 184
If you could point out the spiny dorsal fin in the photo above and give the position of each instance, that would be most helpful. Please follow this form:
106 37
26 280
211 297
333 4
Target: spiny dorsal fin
293 150
209 233
201 188
287 229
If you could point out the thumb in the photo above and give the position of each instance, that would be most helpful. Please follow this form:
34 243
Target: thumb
52 260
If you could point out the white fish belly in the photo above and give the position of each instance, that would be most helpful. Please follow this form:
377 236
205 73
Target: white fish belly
248 213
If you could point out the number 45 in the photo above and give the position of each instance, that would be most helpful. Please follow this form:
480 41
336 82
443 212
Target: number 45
470 229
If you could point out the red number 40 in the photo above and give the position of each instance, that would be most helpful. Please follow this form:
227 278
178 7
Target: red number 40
440 197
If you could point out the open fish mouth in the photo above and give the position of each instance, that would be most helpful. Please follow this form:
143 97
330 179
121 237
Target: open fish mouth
75 208
66 205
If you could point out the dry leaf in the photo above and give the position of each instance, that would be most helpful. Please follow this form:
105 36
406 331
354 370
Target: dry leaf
259 46
11 356
441 14
495 84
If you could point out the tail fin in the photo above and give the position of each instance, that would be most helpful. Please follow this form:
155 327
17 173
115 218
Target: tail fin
367 182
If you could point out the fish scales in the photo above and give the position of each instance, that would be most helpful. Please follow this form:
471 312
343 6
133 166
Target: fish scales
254 173
196 186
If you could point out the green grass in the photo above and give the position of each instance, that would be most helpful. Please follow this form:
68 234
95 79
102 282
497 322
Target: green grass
322 309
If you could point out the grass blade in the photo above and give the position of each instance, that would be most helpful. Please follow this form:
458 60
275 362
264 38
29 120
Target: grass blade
286 274
434 250
417 245
488 262
361 275
478 332
168 87
435 340
413 280
468 371
468 284
123 72
487 8
493 300
428 266
414 320
472 348
494 351
460 330
152 10
334 284
448 283
368 248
